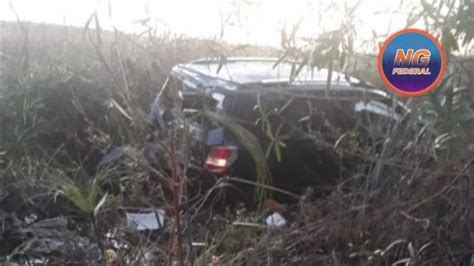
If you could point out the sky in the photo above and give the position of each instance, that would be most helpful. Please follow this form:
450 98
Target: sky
247 21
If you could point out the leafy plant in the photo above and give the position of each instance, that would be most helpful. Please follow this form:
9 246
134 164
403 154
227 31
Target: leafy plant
85 199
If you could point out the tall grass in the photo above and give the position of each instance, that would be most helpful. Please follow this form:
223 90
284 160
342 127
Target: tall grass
74 94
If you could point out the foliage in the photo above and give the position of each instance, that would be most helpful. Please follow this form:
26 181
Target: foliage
407 198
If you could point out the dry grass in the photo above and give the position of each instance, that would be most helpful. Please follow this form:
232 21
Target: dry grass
84 92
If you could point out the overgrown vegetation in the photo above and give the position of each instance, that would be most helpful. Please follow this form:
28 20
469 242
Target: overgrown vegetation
74 105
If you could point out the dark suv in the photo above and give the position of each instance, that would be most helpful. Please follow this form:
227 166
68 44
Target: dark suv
296 119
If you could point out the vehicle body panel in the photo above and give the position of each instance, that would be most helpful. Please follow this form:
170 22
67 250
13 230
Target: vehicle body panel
245 89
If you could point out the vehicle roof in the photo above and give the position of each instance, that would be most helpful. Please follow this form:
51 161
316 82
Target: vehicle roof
247 70
239 72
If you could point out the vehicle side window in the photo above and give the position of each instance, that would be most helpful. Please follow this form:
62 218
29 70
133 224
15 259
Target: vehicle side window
371 110
315 113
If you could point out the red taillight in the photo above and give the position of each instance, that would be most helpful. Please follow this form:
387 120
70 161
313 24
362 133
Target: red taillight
220 158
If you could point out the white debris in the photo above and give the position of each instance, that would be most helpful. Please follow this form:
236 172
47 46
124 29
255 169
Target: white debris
275 220
151 220
30 218
198 244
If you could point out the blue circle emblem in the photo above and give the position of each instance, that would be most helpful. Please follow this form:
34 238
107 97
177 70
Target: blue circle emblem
411 62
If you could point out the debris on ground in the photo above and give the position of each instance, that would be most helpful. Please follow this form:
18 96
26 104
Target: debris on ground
275 220
149 220
45 238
